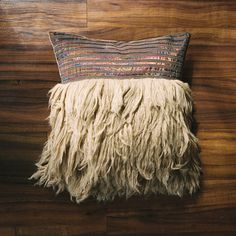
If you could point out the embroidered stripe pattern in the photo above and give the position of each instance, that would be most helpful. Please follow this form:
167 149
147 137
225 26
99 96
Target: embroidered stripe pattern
79 57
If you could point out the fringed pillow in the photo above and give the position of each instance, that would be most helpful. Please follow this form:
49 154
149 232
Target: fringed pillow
120 119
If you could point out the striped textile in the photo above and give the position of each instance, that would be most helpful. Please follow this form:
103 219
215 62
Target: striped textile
79 57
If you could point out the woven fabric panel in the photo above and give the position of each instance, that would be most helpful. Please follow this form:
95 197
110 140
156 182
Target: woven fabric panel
79 57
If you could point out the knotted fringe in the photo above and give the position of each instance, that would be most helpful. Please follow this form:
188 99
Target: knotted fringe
120 137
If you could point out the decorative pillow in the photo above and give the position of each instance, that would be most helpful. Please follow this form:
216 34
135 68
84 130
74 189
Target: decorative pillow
120 120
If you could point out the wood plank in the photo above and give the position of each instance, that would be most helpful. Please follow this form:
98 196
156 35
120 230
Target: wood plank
26 146
161 13
27 192
29 21
19 127
230 233
7 231
212 210
80 220
41 16
205 53
210 69
41 230
151 222
211 189
200 36
18 153
89 216
24 92
222 143
30 115
158 211
48 76
24 105
63 230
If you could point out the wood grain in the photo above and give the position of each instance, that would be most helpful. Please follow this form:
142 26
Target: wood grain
161 14
28 70
27 18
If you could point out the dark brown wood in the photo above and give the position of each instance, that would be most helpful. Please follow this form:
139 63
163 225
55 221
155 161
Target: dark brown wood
161 13
28 70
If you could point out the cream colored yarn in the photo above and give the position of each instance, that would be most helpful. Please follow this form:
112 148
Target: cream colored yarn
120 137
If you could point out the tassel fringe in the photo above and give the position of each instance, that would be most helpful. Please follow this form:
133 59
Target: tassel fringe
120 138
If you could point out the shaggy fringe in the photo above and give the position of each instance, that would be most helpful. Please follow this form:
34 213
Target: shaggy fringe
120 137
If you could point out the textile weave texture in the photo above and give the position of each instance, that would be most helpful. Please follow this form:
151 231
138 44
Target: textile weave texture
80 57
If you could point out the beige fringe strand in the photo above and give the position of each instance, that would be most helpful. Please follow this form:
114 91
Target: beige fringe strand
120 138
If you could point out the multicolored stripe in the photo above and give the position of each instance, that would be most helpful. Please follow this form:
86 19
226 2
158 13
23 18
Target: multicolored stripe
79 57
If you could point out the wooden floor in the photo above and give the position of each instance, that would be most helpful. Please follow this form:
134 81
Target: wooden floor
28 70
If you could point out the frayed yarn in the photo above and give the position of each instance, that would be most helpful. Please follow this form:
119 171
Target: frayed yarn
120 138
